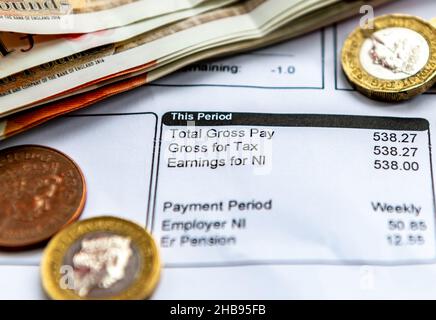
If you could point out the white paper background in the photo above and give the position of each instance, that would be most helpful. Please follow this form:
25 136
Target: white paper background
114 153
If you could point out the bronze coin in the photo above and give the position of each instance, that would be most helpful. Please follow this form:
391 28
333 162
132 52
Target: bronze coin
41 191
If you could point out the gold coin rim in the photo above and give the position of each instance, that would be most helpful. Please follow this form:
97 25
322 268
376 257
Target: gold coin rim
54 254
390 90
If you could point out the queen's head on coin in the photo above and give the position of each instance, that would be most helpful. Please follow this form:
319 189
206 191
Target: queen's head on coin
394 53
100 265
29 196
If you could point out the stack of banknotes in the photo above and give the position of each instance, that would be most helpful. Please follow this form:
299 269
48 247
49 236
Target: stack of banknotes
57 56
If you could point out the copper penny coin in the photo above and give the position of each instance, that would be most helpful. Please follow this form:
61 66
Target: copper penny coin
41 191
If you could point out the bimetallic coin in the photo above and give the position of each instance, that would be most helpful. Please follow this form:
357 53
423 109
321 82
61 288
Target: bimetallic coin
394 61
101 258
41 191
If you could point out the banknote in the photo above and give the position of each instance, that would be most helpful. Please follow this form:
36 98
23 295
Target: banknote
249 19
19 52
81 16
84 97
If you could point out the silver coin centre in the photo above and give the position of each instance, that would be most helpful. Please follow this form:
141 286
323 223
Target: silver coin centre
394 53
